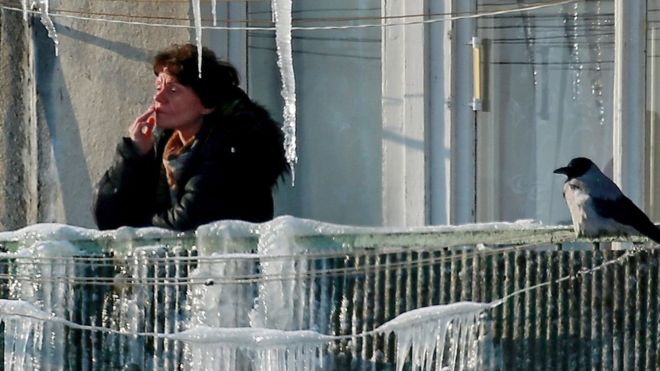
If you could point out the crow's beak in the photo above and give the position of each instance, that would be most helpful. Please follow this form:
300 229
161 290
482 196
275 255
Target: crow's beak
561 170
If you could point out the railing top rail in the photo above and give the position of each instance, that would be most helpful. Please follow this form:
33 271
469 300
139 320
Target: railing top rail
316 236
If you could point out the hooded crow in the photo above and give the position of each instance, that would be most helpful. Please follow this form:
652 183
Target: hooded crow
597 205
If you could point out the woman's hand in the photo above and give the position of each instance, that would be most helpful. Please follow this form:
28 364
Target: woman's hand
140 131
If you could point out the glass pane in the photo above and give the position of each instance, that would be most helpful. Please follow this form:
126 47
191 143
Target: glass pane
338 83
653 104
548 77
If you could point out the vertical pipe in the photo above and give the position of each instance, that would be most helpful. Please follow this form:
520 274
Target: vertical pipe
652 320
424 267
486 289
640 309
356 302
541 303
608 308
455 271
170 313
497 268
477 280
301 267
445 278
518 315
629 312
389 307
629 97
368 299
465 274
585 284
157 355
325 295
182 259
463 170
618 317
84 356
572 346
338 303
352 295
596 311
553 306
310 281
509 346
563 312
378 298
409 274
531 311
399 295
432 277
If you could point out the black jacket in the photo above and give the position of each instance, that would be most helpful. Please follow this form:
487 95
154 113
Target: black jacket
230 175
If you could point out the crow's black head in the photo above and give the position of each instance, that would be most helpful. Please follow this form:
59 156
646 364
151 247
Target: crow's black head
577 167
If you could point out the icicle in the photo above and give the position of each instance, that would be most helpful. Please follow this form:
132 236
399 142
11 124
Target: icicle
575 51
530 41
197 14
446 334
213 12
24 3
282 18
48 23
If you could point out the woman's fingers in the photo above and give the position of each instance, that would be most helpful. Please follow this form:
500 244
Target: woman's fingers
148 113
148 127
142 119
141 129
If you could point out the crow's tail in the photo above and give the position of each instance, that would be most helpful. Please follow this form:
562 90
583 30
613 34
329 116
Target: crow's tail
651 231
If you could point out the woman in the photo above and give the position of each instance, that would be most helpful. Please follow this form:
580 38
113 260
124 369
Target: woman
203 151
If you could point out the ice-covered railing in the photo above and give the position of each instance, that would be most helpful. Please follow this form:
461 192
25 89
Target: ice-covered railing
299 294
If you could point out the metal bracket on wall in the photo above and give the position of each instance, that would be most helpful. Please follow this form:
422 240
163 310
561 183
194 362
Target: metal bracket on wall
476 73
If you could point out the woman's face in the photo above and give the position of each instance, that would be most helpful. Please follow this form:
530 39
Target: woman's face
177 106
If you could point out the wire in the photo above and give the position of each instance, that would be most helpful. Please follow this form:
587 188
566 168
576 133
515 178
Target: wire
352 268
446 18
378 330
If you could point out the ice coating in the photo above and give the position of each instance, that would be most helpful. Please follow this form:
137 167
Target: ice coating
197 15
424 315
49 231
235 313
277 297
438 336
250 337
267 349
22 310
41 284
227 236
221 300
227 254
22 334
282 18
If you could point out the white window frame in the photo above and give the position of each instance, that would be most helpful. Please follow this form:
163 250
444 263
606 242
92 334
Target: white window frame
428 150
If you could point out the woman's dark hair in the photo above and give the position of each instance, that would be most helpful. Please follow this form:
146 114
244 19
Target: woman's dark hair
219 82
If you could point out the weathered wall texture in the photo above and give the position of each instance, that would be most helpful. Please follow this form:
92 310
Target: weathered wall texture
17 143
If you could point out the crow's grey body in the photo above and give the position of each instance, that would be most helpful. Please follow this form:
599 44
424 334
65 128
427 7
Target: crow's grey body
598 207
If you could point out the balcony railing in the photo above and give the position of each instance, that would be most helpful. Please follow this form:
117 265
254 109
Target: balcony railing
299 294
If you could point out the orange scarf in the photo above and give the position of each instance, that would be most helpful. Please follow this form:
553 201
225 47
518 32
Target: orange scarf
174 157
